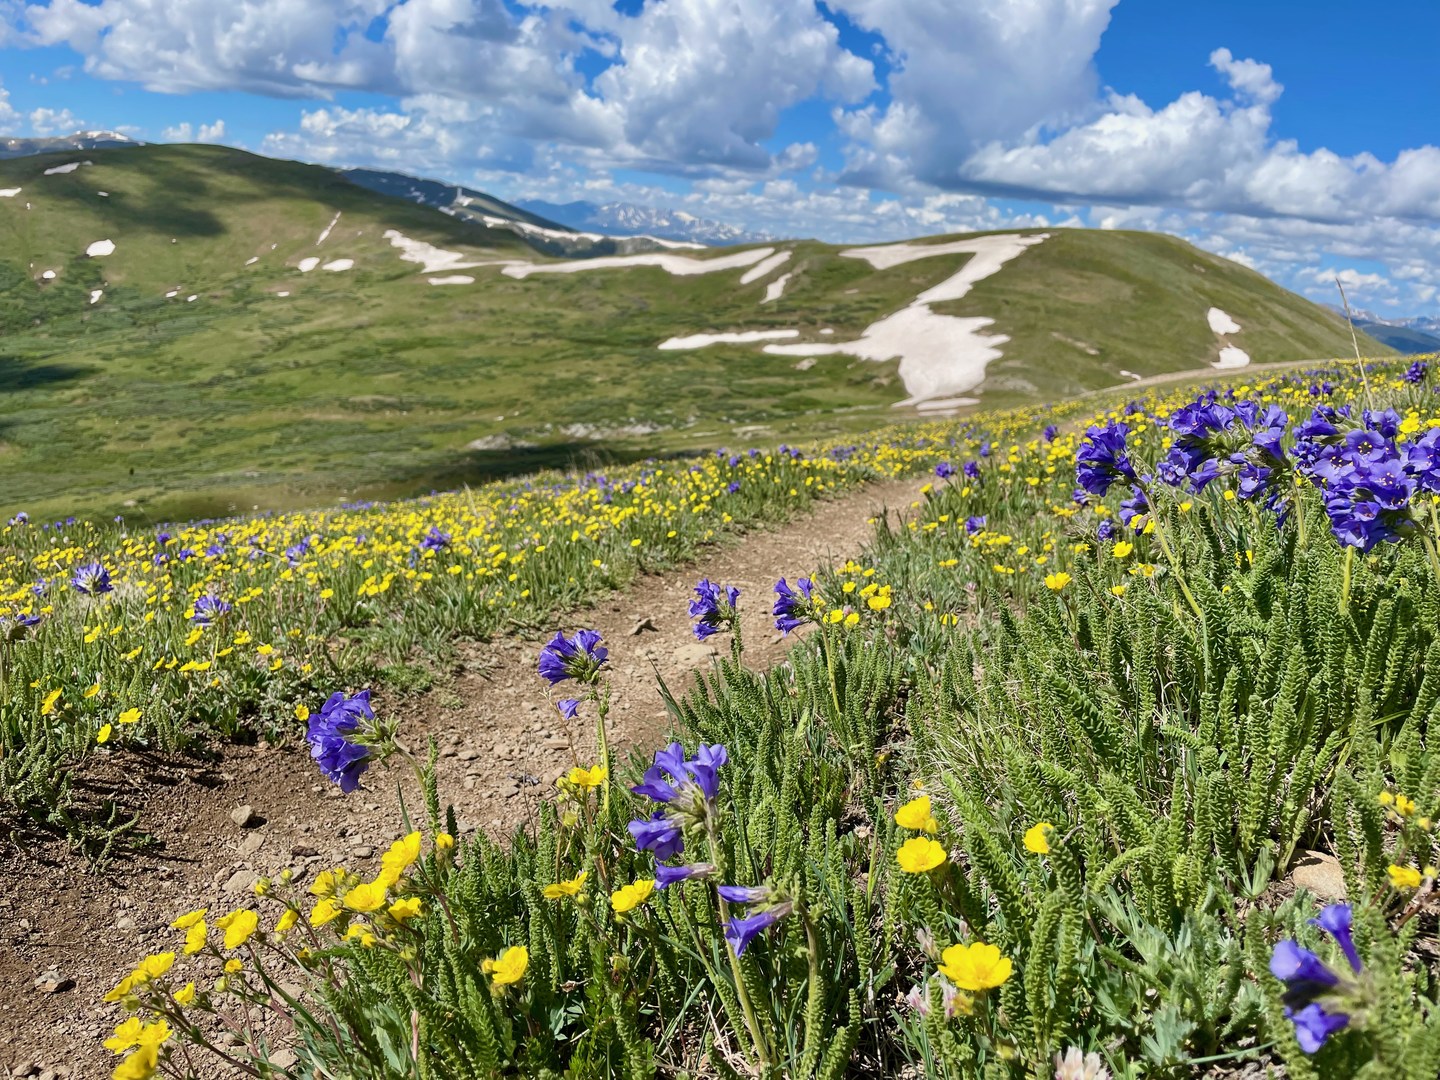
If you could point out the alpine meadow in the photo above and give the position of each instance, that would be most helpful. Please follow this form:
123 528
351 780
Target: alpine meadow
716 541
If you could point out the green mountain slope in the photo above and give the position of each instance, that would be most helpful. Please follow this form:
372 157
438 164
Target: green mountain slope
276 387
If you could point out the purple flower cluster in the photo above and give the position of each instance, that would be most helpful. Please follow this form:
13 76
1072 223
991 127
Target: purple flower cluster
579 658
92 579
1101 459
944 470
208 609
768 910
1313 992
686 788
1369 478
328 731
434 540
793 607
1415 373
713 608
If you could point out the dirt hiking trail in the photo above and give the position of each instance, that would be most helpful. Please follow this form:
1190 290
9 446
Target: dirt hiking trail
66 935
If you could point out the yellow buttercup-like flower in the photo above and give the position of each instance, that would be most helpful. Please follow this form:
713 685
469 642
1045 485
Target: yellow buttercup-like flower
1057 581
919 854
1404 877
915 814
326 911
444 842
129 716
509 967
288 918
126 1035
975 967
399 858
1037 838
585 779
195 935
185 995
627 898
369 896
239 927
407 908
328 882
561 889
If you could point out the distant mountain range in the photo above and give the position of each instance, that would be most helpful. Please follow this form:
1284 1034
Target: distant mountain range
622 219
541 232
1416 334
81 140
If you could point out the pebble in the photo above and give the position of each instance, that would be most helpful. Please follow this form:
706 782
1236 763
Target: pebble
240 881
468 755
25 1068
362 851
304 851
52 982
245 816
251 844
283 1058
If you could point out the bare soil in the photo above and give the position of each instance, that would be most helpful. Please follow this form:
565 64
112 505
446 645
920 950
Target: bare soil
67 935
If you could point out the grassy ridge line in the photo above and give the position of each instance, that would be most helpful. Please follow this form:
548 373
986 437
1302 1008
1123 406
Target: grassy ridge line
371 383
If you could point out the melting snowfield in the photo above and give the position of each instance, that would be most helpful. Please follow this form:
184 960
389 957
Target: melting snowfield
432 259
699 341
68 167
679 265
325 233
99 248
95 295
308 264
763 267
339 264
453 279
776 289
1220 322
9 192
941 356
1231 356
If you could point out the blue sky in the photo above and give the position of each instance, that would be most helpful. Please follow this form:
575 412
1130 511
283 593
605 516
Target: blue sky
1298 138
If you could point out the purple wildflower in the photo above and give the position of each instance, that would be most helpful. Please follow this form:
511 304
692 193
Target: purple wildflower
327 733
1101 459
792 608
208 609
713 608
741 930
579 658
92 579
665 876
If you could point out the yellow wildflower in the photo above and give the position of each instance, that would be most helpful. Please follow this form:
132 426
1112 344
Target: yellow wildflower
629 897
975 967
195 935
1057 581
400 857
185 995
1037 838
129 716
239 927
1404 877
915 814
562 889
325 911
919 854
103 735
368 896
48 705
288 918
585 779
407 908
509 967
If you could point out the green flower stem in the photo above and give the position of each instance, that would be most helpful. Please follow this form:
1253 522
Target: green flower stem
757 1037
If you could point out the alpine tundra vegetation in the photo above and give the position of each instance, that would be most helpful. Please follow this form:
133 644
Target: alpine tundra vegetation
1024 797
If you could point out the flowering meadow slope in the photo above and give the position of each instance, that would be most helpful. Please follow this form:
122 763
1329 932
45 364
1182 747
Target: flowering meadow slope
1023 800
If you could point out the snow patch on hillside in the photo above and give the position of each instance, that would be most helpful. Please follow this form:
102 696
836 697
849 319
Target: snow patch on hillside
9 192
776 289
68 167
763 267
252 260
95 295
308 264
941 356
1232 357
699 341
337 265
453 279
100 248
325 233
680 265
1220 322
431 258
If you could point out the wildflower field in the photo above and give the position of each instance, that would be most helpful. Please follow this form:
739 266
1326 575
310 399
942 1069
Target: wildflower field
1024 798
